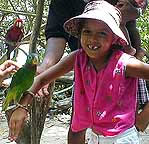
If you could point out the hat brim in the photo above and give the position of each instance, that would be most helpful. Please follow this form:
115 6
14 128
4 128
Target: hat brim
71 26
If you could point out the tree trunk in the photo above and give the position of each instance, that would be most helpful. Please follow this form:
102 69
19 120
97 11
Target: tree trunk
38 115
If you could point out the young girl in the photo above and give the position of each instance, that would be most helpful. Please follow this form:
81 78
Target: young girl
105 77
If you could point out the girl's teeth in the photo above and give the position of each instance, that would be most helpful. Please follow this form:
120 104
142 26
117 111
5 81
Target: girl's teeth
91 47
95 47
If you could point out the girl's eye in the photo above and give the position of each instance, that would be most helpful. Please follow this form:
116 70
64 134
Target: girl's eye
102 33
86 32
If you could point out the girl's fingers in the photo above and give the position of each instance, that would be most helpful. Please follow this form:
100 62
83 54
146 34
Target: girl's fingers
43 91
16 123
18 128
12 128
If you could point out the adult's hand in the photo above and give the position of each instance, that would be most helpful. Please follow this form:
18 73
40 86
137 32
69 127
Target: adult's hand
128 11
44 90
141 125
142 119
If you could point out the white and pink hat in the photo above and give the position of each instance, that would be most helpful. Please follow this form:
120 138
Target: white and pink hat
102 11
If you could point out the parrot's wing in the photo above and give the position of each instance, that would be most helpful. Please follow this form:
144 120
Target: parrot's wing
16 78
8 31
21 82
25 82
8 99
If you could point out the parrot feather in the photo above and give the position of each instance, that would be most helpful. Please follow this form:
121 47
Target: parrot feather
14 35
21 81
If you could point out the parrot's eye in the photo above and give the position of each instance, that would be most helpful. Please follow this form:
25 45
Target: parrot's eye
29 57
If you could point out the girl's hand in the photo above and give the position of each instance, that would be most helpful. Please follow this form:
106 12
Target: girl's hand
7 68
18 117
16 123
142 119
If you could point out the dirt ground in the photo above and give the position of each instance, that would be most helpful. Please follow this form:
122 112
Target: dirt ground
55 131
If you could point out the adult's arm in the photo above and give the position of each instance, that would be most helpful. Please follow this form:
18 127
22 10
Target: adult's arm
54 52
59 12
134 34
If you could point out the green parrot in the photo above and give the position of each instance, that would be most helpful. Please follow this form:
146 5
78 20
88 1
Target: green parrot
21 81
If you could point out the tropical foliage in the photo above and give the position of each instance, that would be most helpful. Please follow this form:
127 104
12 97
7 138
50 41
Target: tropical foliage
143 26
10 10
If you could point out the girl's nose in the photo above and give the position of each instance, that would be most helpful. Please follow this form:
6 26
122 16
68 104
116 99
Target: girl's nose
94 38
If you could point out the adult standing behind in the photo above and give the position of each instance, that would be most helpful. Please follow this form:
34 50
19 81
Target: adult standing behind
59 12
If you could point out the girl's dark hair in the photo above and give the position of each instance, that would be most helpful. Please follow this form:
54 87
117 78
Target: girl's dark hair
81 23
117 47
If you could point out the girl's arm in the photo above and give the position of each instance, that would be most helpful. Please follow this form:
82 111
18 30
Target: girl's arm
63 66
19 115
138 69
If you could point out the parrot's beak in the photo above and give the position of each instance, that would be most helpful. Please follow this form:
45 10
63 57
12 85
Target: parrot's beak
35 61
19 24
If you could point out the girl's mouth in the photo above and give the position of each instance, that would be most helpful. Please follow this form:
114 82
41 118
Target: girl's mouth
91 47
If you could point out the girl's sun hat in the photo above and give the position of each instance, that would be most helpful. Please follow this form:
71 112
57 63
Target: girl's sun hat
102 11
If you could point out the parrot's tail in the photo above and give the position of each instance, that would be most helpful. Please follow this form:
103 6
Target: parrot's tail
10 46
5 105
9 50
7 102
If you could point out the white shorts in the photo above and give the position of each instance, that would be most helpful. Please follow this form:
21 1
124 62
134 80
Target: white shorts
130 136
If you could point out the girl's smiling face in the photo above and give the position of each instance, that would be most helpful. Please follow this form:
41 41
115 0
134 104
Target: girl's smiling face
96 38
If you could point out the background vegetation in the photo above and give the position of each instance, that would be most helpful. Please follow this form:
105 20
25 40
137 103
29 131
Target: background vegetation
143 26
10 10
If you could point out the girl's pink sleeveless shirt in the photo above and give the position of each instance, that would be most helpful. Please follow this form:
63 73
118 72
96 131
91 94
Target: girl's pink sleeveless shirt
106 100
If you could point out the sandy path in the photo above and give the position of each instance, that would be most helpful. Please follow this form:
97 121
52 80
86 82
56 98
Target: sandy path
55 131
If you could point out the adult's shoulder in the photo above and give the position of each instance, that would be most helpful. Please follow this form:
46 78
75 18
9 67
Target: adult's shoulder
66 2
70 6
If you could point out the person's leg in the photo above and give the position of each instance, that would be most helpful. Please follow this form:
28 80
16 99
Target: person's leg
76 137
